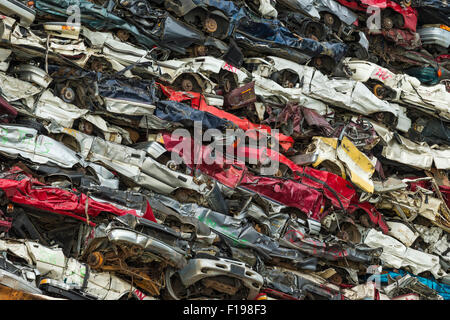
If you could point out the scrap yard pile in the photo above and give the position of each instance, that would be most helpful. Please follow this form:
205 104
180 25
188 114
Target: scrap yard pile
206 149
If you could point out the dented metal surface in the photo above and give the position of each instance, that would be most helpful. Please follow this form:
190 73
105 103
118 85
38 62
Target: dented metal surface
235 150
58 267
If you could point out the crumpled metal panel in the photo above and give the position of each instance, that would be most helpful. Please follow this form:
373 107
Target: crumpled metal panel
26 142
314 7
33 74
359 166
128 96
307 7
433 11
348 94
402 232
267 10
333 187
29 45
51 107
199 157
440 288
404 38
52 262
126 200
343 13
44 105
409 283
130 162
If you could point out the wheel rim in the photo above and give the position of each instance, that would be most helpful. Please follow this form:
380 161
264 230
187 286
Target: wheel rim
86 127
227 85
200 51
97 66
123 35
379 92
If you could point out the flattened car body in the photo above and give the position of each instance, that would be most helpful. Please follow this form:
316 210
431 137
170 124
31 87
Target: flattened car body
408 90
17 8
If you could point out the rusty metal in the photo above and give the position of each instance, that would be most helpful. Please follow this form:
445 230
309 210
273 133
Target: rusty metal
149 285
312 36
182 195
185 195
286 80
336 279
317 61
67 94
230 77
313 32
279 174
134 135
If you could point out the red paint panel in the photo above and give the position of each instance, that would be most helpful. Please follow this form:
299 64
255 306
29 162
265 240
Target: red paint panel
61 201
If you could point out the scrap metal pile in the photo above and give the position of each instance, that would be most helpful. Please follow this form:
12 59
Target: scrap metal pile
120 178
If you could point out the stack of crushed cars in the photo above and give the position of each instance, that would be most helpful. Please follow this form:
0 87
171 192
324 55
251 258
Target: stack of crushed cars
119 178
